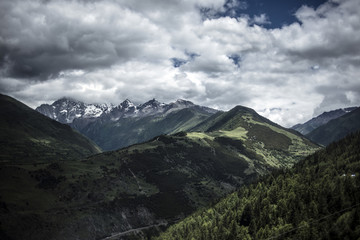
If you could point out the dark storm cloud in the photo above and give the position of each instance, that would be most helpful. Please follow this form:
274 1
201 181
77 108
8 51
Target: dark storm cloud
39 40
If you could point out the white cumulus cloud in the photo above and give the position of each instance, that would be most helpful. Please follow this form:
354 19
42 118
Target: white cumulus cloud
107 51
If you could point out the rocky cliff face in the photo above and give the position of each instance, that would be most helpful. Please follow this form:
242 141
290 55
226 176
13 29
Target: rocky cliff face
113 127
65 110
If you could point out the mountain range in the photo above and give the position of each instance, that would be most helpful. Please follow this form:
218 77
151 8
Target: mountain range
66 110
113 127
143 186
320 120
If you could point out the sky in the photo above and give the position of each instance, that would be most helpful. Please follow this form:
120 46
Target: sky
288 60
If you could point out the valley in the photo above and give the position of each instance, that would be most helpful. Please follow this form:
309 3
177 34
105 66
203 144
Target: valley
156 182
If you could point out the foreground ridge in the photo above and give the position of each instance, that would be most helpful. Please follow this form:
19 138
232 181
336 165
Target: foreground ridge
318 199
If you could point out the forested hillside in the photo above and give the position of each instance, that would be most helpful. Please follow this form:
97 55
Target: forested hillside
317 199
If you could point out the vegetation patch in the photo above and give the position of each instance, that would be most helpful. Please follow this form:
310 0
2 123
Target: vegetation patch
318 198
271 139
46 179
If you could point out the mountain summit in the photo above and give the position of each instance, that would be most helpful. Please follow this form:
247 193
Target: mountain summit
113 127
66 110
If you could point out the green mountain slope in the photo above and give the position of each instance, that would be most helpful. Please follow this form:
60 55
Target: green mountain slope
112 135
277 145
27 136
143 185
230 120
336 129
317 199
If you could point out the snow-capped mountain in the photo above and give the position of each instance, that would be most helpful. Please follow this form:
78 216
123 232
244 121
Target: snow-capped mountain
116 126
65 110
320 120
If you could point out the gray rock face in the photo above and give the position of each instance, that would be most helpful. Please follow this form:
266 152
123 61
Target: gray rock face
113 127
65 110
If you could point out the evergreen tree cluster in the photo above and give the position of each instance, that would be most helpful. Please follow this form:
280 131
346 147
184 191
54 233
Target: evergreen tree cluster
319 198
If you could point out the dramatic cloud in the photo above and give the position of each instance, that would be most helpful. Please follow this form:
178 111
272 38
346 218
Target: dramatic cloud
204 51
41 39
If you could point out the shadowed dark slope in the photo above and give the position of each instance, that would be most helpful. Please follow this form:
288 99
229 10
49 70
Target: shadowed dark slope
28 136
317 199
337 128
320 120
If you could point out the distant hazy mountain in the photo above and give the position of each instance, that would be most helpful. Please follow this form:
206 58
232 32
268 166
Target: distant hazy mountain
145 184
337 128
28 136
113 127
320 120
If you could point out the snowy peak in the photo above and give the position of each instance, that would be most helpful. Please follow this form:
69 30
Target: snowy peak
66 110
151 104
152 107
126 104
96 110
123 110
